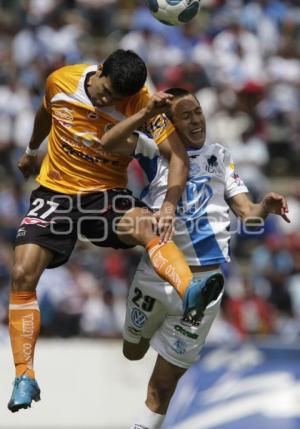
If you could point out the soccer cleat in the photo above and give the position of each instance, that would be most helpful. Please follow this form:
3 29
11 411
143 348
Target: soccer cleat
199 294
25 390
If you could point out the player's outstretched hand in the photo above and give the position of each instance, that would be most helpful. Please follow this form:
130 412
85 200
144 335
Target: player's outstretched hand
166 220
28 165
276 204
158 103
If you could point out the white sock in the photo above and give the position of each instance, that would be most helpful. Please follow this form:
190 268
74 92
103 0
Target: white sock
147 419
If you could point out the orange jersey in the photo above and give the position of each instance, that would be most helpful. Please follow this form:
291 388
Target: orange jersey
75 161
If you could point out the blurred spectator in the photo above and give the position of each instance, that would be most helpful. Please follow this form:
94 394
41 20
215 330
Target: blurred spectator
272 264
249 313
251 155
100 317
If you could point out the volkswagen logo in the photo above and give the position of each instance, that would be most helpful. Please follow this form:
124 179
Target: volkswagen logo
138 318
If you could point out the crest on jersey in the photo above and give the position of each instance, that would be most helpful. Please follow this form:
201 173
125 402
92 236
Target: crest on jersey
179 346
156 126
108 126
212 164
93 115
138 318
237 179
63 115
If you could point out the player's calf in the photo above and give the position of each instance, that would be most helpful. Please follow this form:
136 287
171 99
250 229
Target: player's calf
162 385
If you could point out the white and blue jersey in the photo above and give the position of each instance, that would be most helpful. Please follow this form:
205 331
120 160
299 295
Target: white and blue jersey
202 225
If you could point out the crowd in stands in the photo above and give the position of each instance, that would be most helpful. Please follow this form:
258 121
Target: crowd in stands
242 60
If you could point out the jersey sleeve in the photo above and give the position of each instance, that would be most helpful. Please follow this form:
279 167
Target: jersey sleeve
60 81
234 185
145 147
51 89
159 127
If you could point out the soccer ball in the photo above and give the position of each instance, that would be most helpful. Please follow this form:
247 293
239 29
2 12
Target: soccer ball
174 12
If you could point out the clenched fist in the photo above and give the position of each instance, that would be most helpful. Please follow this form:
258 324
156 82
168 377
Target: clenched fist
28 165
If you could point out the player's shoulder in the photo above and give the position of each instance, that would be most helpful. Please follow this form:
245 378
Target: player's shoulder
146 146
220 151
136 101
70 73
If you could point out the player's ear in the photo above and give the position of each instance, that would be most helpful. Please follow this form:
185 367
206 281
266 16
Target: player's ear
99 70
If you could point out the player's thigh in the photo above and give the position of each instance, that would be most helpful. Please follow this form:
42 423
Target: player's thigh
49 225
137 226
115 218
165 374
145 312
180 343
30 260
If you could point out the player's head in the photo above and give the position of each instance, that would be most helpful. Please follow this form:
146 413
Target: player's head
122 74
187 117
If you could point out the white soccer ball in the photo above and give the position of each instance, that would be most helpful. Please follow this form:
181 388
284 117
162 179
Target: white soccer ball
174 12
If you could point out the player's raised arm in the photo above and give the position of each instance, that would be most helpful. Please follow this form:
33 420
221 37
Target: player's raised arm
41 129
174 151
119 138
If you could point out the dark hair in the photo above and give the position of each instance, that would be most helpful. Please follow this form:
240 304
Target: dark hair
126 70
177 93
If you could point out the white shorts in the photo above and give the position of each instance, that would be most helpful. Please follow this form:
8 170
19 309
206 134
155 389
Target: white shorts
154 311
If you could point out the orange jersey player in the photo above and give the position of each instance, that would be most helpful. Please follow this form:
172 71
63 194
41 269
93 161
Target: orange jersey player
83 192
76 161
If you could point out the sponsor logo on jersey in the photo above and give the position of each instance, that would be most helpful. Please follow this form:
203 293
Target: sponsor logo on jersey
179 346
93 116
108 127
183 331
21 232
237 179
90 158
133 331
138 318
55 175
63 114
212 164
35 221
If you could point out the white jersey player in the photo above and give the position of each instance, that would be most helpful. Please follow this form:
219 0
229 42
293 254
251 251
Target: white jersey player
154 310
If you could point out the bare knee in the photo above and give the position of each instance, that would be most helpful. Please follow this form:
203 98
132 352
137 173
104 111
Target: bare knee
22 278
30 262
132 355
135 352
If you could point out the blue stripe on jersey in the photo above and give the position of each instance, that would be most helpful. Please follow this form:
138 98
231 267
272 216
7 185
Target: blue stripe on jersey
149 166
204 241
193 211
